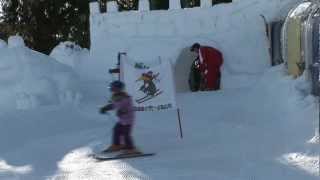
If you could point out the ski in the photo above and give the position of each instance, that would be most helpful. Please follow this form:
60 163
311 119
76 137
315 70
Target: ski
148 98
122 156
137 100
103 154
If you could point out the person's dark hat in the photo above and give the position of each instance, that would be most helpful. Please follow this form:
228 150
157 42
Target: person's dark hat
195 46
117 84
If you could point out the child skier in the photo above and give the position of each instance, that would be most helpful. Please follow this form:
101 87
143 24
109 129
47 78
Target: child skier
122 103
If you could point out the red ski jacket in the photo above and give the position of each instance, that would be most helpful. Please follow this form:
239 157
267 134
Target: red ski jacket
210 67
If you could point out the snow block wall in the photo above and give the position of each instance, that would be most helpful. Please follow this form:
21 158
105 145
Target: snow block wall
237 29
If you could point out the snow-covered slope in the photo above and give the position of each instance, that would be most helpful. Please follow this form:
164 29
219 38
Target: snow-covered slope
261 130
259 133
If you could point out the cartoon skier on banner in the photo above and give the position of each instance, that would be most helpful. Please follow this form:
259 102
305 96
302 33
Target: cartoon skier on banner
148 87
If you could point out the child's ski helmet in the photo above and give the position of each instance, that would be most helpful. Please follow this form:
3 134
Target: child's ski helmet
117 84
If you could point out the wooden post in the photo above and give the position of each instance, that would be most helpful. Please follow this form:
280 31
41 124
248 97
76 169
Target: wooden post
180 126
119 66
120 54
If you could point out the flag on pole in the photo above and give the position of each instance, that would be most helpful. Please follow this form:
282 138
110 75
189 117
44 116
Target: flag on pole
152 88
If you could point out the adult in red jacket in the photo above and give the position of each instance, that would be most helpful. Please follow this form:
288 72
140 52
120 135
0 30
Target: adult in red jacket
210 61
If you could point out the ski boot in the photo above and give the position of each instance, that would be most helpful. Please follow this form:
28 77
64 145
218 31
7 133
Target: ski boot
132 151
113 148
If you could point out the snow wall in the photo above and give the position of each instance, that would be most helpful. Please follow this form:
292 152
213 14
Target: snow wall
237 29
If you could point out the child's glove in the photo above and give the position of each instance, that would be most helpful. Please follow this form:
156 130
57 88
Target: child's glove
102 111
106 108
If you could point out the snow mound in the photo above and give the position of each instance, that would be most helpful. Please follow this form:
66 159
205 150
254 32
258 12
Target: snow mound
315 139
29 79
77 165
3 44
308 163
15 41
4 167
69 53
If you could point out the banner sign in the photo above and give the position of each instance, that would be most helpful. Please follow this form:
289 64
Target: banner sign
152 88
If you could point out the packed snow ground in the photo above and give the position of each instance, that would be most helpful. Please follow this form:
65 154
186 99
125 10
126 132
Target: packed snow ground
261 132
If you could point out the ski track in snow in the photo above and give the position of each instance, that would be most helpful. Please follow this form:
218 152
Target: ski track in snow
86 168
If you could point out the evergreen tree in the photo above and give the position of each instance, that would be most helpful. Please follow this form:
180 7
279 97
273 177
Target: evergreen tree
221 1
45 23
125 5
190 3
159 4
